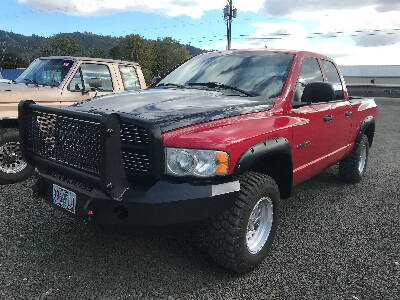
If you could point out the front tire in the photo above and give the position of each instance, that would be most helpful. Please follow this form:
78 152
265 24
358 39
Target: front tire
353 167
241 237
13 168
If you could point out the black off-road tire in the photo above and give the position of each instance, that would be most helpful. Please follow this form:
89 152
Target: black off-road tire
349 170
12 136
227 232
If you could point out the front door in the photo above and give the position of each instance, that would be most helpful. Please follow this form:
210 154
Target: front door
341 110
312 137
78 89
311 140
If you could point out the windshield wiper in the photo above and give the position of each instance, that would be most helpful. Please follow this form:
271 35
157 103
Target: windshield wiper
172 84
222 86
28 80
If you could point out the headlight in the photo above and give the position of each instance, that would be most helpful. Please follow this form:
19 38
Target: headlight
193 162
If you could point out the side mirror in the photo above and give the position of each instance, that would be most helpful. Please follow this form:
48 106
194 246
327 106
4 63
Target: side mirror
95 83
155 80
315 92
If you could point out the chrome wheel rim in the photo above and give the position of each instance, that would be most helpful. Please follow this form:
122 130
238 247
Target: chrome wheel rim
11 161
259 225
363 159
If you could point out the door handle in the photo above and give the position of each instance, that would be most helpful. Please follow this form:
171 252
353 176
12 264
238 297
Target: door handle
348 113
328 118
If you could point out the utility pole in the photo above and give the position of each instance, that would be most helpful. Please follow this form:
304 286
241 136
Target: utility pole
229 14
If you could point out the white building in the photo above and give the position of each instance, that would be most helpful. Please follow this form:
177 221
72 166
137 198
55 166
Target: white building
379 75
372 81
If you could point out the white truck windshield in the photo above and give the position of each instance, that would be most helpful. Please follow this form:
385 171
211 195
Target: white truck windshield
49 72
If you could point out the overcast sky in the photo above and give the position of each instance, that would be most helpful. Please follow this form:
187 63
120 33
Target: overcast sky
353 31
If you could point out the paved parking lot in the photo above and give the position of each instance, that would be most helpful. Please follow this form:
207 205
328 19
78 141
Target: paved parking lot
336 241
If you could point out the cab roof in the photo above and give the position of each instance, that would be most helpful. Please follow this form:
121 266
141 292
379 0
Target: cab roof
78 58
294 52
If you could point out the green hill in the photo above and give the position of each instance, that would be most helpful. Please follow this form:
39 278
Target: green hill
155 56
29 47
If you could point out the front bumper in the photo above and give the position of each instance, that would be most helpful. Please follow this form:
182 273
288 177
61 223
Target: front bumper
163 203
83 153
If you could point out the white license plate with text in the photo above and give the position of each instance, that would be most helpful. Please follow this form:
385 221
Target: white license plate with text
64 198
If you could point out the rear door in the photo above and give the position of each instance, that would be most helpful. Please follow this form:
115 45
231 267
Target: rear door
340 109
311 138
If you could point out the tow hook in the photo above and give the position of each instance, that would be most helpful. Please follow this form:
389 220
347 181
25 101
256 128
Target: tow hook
89 217
38 188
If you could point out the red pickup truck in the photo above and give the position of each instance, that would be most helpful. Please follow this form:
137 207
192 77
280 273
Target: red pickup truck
221 139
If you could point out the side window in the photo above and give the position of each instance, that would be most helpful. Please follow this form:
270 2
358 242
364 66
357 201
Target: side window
309 72
129 78
76 83
334 78
91 71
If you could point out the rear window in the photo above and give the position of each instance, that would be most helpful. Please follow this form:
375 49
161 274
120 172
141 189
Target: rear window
129 78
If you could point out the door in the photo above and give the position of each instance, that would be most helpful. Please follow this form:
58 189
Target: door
78 89
341 109
311 137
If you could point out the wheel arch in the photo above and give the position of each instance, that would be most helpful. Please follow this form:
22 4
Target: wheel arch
368 128
272 157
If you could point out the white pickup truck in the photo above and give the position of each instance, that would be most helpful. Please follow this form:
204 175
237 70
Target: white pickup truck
56 82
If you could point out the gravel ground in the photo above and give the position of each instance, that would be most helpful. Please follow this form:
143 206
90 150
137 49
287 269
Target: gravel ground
336 241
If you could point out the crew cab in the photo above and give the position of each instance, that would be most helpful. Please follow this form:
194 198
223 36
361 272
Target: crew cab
221 140
56 82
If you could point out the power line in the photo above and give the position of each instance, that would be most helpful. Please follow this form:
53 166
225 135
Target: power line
334 34
204 39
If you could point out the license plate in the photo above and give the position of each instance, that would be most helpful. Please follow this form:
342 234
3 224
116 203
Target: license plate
64 198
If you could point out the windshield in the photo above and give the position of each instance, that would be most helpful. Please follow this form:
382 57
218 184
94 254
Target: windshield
50 72
257 73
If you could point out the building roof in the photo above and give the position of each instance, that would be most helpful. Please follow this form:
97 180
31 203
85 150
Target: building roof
371 71
368 85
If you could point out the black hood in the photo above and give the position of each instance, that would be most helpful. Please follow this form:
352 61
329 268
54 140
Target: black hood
174 108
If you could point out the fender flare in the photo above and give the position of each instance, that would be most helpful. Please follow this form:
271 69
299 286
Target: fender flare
278 148
370 120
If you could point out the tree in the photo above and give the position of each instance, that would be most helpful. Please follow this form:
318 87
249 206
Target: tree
136 48
115 52
60 45
169 53
155 57
12 61
99 53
